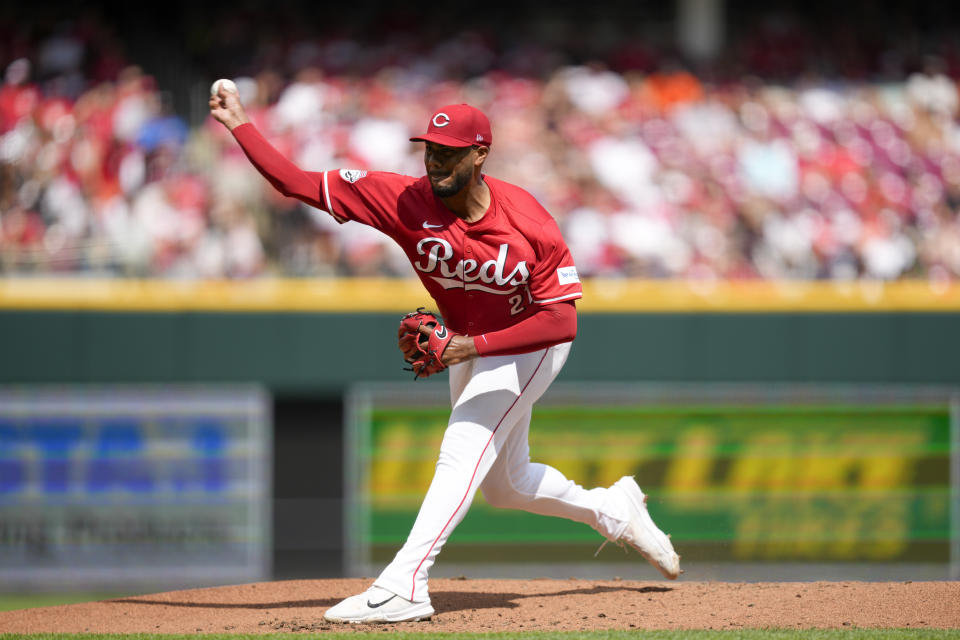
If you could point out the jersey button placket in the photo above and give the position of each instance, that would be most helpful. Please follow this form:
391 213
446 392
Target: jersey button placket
467 254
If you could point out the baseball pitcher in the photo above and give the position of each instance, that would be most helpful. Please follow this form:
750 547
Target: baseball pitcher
501 276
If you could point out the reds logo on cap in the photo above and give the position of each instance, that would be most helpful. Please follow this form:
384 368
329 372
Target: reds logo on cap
458 125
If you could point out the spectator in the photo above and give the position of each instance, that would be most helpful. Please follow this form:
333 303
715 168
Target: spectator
651 169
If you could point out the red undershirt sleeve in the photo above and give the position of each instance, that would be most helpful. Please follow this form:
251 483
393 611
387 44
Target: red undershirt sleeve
552 324
286 177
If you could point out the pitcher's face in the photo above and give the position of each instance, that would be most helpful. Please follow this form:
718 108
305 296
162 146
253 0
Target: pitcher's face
449 169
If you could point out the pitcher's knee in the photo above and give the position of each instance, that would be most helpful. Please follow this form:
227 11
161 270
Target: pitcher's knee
502 497
508 494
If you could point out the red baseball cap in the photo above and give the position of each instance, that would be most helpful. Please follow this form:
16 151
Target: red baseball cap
458 125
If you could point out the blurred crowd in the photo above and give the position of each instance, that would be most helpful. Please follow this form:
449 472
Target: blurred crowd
651 170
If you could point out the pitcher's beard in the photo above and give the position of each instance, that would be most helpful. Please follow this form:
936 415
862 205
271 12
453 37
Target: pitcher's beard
460 180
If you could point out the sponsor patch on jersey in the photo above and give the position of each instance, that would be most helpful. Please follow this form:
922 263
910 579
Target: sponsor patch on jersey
567 275
352 175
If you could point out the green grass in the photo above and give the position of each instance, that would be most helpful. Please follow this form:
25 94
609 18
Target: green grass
749 634
11 601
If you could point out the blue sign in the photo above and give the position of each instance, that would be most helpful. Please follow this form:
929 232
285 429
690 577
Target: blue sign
121 485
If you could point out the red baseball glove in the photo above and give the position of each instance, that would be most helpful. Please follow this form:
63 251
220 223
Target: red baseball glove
423 353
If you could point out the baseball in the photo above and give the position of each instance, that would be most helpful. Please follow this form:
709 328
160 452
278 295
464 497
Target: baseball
226 83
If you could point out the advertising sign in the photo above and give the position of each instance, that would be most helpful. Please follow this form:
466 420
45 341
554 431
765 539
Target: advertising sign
111 486
792 474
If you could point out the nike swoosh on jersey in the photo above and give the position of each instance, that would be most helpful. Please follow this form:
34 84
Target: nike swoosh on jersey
380 604
427 225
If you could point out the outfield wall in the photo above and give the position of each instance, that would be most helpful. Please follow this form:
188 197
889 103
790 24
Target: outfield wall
319 352
318 336
309 342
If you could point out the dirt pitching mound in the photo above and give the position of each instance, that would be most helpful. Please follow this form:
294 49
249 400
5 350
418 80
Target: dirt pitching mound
516 605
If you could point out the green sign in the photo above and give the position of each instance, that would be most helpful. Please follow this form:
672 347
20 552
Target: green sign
733 478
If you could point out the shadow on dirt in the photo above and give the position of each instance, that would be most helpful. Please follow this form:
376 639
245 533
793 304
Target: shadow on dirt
292 604
446 601
443 601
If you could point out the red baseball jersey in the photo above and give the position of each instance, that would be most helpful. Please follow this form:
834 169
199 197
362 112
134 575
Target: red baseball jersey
484 276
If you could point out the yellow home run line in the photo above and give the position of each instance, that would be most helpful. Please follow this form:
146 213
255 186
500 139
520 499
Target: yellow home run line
401 295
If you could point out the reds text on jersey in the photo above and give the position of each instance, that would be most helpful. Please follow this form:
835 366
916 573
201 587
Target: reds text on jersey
484 276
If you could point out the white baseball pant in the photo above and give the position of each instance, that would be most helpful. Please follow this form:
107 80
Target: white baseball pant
485 445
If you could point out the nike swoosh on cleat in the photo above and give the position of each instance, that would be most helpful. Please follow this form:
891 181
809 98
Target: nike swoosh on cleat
427 225
380 604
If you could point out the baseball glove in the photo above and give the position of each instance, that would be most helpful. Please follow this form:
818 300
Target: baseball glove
423 353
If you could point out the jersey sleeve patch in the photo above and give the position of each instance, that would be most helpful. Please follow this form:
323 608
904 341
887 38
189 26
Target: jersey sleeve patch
567 275
352 175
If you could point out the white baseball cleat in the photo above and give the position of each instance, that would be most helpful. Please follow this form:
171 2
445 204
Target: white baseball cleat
378 605
642 534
